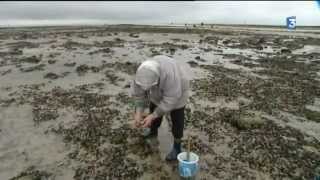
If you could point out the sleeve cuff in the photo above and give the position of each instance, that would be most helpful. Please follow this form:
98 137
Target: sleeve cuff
157 113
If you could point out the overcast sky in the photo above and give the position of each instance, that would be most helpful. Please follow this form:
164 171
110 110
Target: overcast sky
160 12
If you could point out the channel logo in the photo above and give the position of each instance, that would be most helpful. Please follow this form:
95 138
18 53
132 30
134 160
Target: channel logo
291 22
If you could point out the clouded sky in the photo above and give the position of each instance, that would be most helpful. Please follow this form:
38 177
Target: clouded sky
160 12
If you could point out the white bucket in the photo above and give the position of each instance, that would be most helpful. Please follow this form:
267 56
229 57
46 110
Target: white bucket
188 169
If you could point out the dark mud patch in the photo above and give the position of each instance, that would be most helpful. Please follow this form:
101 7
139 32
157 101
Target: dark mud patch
71 64
33 174
39 67
96 138
83 69
3 73
88 87
277 151
268 148
116 43
11 52
31 59
7 102
91 133
126 67
259 42
210 40
103 51
168 46
242 60
312 115
112 78
73 45
291 87
53 55
293 84
23 44
42 114
218 84
179 40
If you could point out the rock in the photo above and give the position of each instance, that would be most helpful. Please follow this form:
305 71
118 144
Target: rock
172 51
285 51
119 40
193 63
127 86
259 47
134 35
226 41
72 64
51 61
199 59
51 76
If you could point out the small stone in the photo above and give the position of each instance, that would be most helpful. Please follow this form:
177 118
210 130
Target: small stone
285 51
51 76
51 61
72 64
193 63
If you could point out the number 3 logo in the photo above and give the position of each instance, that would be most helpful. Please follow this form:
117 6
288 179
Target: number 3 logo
292 23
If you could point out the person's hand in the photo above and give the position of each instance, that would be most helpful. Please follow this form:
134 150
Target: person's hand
137 119
148 121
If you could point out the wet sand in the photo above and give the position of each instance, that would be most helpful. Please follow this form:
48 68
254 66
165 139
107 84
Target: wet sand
64 92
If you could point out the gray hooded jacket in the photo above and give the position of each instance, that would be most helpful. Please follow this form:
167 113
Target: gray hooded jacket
169 88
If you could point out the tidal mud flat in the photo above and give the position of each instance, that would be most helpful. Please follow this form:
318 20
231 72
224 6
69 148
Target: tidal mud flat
254 112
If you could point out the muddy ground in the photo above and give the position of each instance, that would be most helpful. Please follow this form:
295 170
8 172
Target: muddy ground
254 112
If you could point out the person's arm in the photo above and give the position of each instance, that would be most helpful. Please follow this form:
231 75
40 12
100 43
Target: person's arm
171 95
138 96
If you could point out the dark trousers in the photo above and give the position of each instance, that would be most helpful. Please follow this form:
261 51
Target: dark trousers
177 118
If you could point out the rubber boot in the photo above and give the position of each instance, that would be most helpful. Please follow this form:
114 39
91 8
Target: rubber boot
176 149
